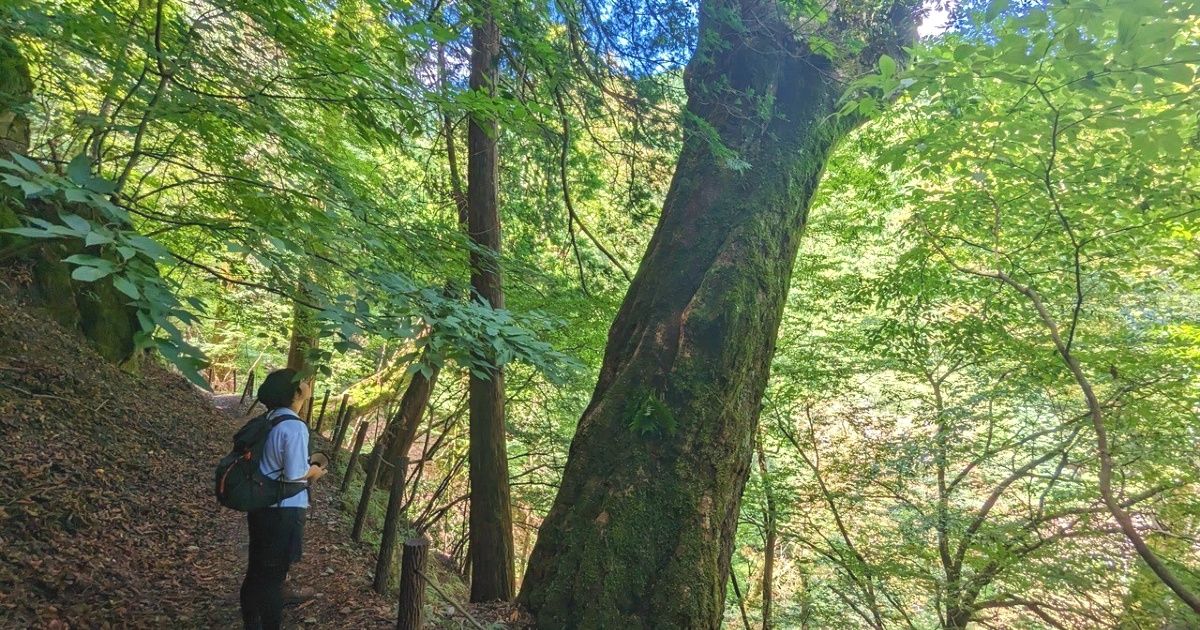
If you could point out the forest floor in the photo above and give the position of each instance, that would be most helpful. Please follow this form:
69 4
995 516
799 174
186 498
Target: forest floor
106 512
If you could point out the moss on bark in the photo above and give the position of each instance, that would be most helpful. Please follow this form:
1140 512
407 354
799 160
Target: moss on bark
640 534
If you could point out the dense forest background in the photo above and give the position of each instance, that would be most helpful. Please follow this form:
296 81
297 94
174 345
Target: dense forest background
983 403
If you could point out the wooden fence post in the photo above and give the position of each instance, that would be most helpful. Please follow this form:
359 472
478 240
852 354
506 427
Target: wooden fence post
321 418
340 436
341 411
387 543
412 585
248 390
360 515
359 438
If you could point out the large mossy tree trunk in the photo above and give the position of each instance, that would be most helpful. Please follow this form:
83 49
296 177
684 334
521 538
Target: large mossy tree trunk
490 520
641 531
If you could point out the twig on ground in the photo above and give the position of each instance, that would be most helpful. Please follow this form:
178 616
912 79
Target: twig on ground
450 600
31 394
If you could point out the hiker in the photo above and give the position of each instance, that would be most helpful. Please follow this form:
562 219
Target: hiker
277 532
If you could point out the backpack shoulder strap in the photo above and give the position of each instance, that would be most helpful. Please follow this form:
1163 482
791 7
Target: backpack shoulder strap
282 418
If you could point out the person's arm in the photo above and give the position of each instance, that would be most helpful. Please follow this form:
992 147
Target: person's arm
295 457
314 473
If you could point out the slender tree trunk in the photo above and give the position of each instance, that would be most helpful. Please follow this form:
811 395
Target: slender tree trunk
491 514
402 428
768 578
641 532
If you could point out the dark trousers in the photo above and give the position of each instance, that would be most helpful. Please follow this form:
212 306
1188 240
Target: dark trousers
276 541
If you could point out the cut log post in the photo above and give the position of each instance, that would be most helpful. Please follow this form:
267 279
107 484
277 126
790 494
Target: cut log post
387 543
359 438
412 584
360 515
321 417
340 436
308 405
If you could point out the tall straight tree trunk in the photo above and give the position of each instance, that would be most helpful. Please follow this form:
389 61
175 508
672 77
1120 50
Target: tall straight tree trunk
641 531
491 513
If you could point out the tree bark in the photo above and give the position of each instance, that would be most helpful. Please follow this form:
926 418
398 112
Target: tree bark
641 532
16 91
303 338
491 515
402 428
412 584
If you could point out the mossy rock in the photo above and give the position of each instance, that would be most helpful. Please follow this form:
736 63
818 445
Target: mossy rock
16 91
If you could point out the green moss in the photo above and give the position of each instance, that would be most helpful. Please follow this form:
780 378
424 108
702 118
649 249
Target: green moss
16 91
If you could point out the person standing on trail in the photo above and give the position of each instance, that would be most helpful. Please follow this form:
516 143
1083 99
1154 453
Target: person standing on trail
277 532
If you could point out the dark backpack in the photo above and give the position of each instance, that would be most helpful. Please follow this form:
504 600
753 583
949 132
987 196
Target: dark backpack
239 483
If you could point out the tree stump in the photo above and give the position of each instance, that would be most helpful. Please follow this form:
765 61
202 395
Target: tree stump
412 585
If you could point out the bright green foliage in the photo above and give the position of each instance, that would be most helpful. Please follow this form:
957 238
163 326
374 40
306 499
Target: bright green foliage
934 450
223 160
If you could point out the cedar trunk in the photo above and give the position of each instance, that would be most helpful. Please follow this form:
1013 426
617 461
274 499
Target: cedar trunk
641 531
491 515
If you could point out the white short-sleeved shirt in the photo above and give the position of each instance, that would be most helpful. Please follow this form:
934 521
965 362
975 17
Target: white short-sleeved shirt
286 455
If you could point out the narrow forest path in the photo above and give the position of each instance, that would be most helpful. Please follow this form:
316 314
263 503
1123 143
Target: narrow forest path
107 518
334 571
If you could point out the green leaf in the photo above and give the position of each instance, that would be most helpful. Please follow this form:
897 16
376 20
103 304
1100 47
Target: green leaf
27 164
995 9
96 237
1127 27
29 232
89 274
124 285
76 222
887 66
80 169
89 261
100 185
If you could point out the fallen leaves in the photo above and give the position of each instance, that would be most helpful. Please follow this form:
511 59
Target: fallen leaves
106 515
